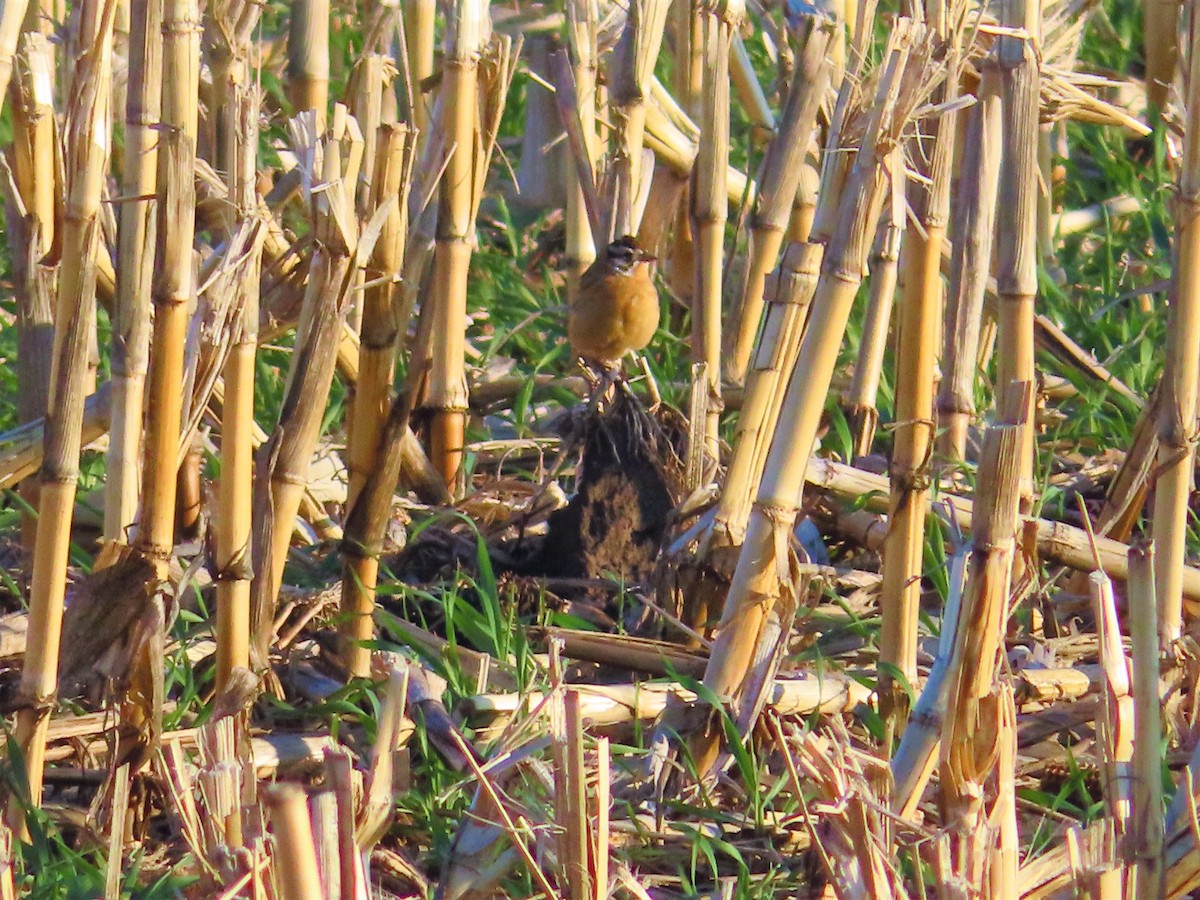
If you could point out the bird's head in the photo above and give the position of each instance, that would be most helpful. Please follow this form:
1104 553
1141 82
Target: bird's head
624 255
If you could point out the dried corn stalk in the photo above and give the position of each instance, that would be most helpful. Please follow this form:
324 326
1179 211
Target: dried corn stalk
330 169
782 171
1181 376
885 258
765 574
33 222
912 441
234 22
972 227
978 710
582 16
468 32
308 57
717 20
850 827
631 68
87 159
1016 58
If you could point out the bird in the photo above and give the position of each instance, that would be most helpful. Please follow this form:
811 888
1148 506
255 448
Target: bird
616 308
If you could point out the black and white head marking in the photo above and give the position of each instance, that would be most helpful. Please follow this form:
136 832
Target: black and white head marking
624 254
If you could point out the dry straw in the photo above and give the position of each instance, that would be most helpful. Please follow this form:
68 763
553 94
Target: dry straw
781 173
709 204
917 341
467 34
978 713
973 228
373 217
87 157
236 153
582 18
308 57
367 446
885 259
631 68
331 166
174 290
33 225
765 576
1177 415
1016 220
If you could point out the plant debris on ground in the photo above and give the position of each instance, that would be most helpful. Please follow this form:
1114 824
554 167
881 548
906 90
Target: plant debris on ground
332 564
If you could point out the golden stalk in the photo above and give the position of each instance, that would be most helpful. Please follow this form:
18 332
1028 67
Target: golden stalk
575 813
237 151
582 18
631 68
378 335
542 175
1005 848
763 574
667 190
679 149
917 334
367 86
749 91
1146 815
974 708
175 287
383 778
296 873
1114 725
496 72
1161 42
308 57
1016 220
376 442
782 171
567 840
835 164
324 821
339 775
718 19
12 20
773 361
600 848
468 34
33 151
916 756
864 388
116 832
31 234
189 500
419 44
1177 415
675 137
972 229
800 225
283 462
87 158
689 56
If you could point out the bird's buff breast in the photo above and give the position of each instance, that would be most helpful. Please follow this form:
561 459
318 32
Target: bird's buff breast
607 326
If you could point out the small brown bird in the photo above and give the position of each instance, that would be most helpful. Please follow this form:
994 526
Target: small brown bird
616 309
